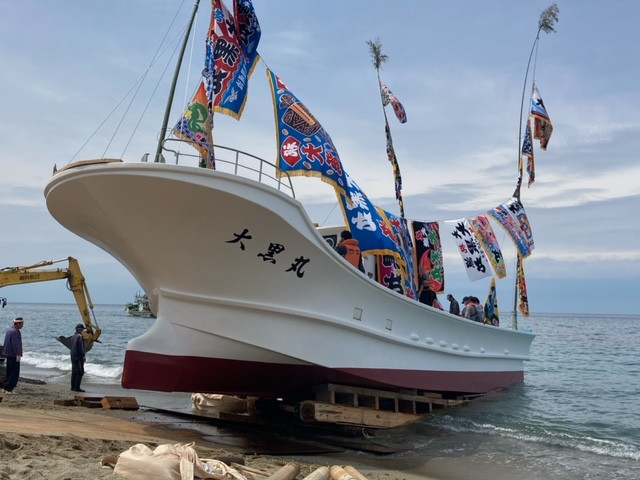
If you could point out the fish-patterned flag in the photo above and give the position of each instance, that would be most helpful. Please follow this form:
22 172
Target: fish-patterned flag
491 311
405 245
542 123
473 257
231 55
527 152
195 126
521 285
304 147
487 238
390 98
513 218
428 249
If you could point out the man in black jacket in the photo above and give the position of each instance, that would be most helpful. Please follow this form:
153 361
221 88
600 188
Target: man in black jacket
77 359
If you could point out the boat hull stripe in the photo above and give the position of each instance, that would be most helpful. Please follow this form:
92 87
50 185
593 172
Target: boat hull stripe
150 371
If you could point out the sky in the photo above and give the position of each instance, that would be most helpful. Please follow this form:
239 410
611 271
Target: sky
457 67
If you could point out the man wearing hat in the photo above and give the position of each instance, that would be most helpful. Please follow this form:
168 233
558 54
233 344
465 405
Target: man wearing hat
465 300
12 351
77 358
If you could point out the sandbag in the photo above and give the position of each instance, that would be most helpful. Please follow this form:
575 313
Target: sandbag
170 462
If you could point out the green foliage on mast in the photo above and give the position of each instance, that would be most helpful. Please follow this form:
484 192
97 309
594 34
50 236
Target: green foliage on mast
548 18
377 57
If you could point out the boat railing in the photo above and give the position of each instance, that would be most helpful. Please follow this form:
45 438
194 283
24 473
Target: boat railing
235 161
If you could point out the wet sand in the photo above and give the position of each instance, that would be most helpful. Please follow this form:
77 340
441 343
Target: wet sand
39 440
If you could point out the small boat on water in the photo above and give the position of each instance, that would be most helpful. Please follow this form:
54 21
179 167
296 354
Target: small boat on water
264 306
140 307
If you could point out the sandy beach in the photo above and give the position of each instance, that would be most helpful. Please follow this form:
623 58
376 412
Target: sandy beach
42 440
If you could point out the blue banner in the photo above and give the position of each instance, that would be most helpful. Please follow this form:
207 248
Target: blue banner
304 147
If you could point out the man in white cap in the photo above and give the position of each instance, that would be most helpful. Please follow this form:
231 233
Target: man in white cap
12 351
77 358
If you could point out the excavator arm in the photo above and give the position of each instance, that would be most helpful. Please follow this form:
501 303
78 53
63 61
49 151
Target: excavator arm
75 282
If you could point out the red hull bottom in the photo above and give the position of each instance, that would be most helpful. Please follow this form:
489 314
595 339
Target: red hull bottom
165 373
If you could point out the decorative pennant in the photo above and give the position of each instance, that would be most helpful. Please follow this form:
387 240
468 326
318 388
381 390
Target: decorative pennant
428 248
491 311
527 151
512 217
521 285
390 274
391 155
304 147
231 56
405 246
390 98
374 233
195 126
487 239
475 261
542 123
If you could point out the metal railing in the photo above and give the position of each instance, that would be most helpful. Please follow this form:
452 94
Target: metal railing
237 162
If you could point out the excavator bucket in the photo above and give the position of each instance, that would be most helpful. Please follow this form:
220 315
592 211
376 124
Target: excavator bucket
66 341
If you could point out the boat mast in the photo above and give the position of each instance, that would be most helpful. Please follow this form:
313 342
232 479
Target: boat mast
547 20
167 111
378 59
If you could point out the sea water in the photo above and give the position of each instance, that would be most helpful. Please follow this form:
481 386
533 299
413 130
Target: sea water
576 416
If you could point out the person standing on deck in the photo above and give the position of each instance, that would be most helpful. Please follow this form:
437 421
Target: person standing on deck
454 306
348 248
78 353
12 351
426 295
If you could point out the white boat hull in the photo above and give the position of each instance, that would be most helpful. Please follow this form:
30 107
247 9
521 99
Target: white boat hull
269 315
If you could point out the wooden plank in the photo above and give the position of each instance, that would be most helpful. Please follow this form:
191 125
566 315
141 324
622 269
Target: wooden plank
121 403
311 411
403 402
82 401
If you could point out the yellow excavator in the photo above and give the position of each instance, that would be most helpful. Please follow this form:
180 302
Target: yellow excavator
75 282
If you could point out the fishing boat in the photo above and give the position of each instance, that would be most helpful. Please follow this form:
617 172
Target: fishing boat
257 301
140 306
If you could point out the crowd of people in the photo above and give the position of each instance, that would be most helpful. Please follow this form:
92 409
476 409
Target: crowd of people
472 309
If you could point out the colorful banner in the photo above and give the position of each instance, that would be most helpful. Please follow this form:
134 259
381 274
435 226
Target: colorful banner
195 126
521 285
390 274
527 151
475 261
374 232
512 217
304 147
231 55
491 311
487 238
428 248
542 123
405 246
391 155
249 30
401 115
390 98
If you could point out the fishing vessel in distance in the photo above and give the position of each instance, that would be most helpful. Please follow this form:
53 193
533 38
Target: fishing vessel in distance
250 297
140 306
